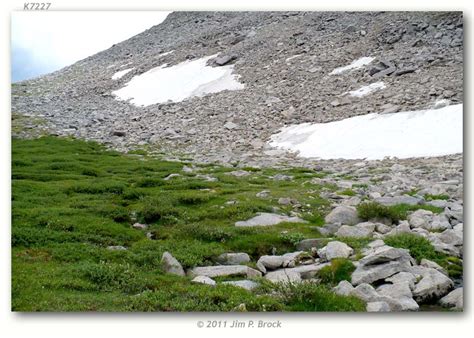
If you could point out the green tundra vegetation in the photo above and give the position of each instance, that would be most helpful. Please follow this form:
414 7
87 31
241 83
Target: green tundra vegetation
72 200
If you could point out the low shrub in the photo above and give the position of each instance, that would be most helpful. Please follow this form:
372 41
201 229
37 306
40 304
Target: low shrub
315 297
340 269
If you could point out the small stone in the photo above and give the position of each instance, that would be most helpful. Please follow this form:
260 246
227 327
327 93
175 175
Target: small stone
116 248
139 226
204 280
225 59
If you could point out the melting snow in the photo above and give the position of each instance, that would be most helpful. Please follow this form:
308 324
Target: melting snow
177 83
121 73
367 89
423 133
359 63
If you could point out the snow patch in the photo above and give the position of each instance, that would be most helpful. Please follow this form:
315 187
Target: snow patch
423 133
365 90
359 63
177 83
121 73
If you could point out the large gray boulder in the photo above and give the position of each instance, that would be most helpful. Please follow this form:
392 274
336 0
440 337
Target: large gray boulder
403 277
382 263
269 262
336 249
343 215
405 199
365 229
420 219
309 243
433 284
283 276
224 270
170 265
454 299
244 284
379 306
296 274
204 280
267 219
344 288
233 258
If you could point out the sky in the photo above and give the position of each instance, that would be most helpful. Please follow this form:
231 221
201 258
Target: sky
45 41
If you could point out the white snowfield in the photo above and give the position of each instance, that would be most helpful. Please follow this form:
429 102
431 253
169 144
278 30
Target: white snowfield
423 133
365 90
359 63
121 73
177 83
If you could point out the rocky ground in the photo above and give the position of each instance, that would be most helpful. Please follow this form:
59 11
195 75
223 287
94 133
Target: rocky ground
284 59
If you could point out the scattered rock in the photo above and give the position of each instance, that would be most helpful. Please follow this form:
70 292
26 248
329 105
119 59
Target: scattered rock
204 280
170 265
343 215
224 270
405 199
139 226
337 249
378 307
267 219
245 284
225 59
233 258
454 299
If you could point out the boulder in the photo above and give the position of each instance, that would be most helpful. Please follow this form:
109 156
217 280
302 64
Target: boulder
405 199
439 222
378 307
366 292
365 229
433 265
343 215
420 219
328 229
204 280
382 263
433 285
308 244
245 284
270 262
403 277
344 288
451 237
267 219
170 265
224 270
338 249
233 258
283 276
454 299
224 59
